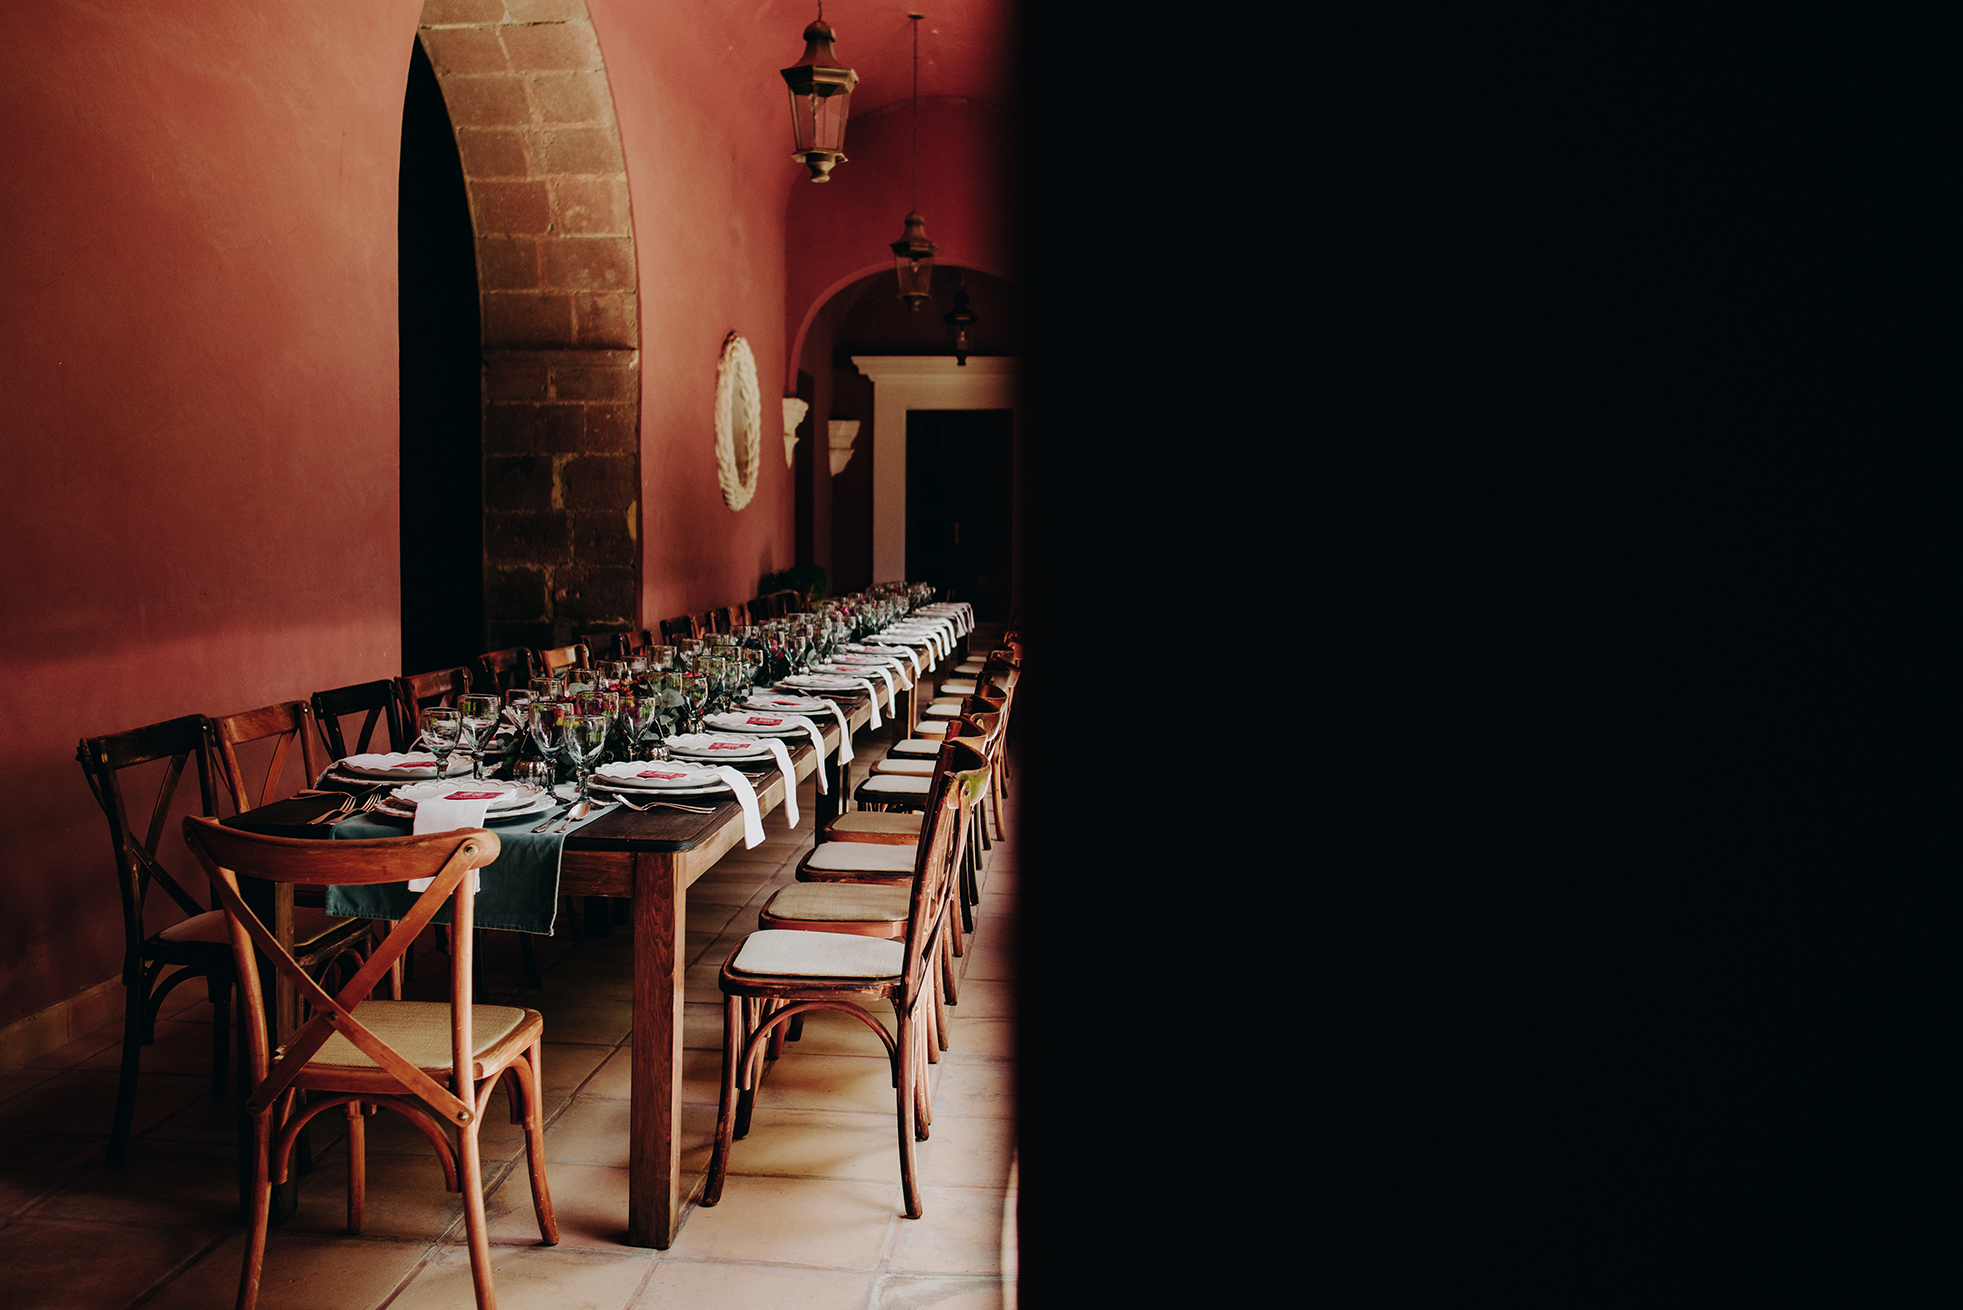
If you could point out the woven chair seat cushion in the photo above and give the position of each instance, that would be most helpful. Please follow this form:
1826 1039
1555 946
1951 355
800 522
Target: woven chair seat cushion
420 1032
916 746
862 857
310 924
915 767
873 821
785 952
842 902
895 785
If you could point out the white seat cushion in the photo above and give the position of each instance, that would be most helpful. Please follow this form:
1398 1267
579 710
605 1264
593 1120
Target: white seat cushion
972 666
877 822
916 746
900 786
952 688
945 709
860 857
914 768
785 952
932 729
841 902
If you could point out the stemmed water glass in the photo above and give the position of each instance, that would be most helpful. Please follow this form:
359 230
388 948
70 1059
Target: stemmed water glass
695 691
546 721
442 730
586 737
478 713
637 718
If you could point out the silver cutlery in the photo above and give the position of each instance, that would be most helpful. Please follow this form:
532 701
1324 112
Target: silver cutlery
673 805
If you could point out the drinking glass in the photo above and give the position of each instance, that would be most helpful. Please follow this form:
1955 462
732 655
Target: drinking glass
695 691
661 659
638 715
665 690
442 730
478 713
586 737
546 721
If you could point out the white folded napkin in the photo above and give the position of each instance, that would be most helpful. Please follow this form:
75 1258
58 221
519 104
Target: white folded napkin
447 816
790 776
404 765
811 730
746 796
854 670
893 652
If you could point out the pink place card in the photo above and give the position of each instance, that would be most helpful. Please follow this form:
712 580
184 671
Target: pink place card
768 723
669 776
729 745
415 764
473 795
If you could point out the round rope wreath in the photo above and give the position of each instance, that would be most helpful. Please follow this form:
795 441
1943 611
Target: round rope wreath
739 418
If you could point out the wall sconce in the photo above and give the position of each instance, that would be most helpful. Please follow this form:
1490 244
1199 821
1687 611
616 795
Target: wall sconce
794 412
958 321
821 96
841 431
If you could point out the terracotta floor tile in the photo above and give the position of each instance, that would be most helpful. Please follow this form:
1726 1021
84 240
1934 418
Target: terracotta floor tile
928 1292
818 1144
163 1185
302 1271
531 1278
959 1232
32 1165
967 1151
829 1223
53 1264
84 1101
678 1282
830 1082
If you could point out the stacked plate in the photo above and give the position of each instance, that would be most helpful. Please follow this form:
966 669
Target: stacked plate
509 800
756 723
763 700
400 766
720 749
669 777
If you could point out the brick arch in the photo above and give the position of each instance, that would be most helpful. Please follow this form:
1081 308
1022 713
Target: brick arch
526 88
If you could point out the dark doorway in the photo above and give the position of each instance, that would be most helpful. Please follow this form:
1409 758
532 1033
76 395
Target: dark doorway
442 521
961 505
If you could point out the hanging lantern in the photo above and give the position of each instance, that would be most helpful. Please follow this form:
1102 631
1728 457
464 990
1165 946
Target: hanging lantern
958 321
913 260
821 94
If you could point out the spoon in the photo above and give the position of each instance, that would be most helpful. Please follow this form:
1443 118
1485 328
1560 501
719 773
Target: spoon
574 815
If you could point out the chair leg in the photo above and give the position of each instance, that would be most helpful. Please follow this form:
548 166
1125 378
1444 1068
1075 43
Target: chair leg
530 958
135 1002
476 1230
732 1047
357 1165
531 1077
221 1036
909 1185
261 1211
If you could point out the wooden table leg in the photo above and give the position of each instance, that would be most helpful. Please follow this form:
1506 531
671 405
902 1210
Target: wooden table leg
653 1174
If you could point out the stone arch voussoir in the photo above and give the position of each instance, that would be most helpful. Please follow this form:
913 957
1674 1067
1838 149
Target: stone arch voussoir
527 92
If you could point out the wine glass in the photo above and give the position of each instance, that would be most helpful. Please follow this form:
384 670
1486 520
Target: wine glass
478 713
637 718
586 737
546 721
442 730
695 691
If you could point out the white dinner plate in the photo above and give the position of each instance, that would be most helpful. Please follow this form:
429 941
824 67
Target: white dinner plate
744 723
789 704
711 746
402 766
395 809
600 785
627 775
511 795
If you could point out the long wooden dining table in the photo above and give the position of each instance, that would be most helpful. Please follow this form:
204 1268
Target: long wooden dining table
649 858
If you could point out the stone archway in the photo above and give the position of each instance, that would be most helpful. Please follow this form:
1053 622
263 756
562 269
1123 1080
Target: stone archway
527 93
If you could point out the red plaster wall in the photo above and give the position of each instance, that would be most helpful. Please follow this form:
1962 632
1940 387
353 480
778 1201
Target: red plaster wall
198 402
707 139
839 232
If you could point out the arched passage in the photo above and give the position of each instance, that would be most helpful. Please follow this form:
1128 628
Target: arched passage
559 299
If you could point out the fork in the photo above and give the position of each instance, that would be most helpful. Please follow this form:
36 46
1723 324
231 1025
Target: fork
642 809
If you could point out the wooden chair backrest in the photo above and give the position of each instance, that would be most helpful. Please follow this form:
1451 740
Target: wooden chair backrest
943 837
287 722
447 857
682 625
374 699
638 640
561 658
734 617
423 691
709 621
498 671
759 609
605 645
103 759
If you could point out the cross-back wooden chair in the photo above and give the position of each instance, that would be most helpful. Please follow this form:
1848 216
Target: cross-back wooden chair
425 691
437 1063
380 701
605 645
318 937
195 945
733 617
709 621
776 976
759 609
498 671
638 640
682 625
557 659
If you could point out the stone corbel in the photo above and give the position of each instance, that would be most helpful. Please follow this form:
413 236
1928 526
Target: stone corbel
843 431
794 412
